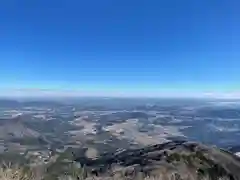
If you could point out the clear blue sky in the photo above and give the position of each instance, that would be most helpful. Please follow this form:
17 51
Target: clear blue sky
129 46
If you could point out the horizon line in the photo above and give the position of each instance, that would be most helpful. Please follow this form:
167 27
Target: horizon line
70 93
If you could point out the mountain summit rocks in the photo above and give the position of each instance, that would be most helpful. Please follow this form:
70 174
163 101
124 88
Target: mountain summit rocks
183 159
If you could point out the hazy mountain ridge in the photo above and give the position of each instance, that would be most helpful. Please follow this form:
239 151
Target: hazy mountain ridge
15 128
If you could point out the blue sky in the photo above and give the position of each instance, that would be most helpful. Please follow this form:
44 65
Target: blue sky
128 47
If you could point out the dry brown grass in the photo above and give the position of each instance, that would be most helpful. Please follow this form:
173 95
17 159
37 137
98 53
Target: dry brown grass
14 172
10 172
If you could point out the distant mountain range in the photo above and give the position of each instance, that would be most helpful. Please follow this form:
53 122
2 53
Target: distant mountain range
6 103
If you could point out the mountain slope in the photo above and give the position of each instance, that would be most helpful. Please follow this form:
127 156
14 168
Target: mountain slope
184 159
15 128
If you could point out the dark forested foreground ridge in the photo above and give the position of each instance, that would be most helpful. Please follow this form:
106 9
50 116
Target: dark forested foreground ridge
179 160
